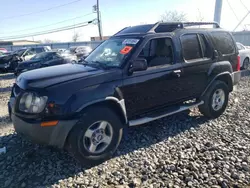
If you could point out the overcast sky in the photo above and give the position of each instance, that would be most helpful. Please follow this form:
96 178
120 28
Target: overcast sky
116 14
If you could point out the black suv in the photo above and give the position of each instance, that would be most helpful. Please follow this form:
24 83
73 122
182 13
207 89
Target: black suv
140 74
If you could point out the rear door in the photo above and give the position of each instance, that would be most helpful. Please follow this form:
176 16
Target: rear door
197 58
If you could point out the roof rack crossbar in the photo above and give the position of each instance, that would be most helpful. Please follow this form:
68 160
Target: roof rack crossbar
182 25
200 23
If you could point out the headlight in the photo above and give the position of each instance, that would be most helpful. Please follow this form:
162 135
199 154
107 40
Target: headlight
31 103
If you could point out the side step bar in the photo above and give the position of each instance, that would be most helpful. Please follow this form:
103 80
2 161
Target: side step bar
149 119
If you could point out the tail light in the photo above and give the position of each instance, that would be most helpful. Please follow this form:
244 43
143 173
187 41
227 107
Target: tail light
238 63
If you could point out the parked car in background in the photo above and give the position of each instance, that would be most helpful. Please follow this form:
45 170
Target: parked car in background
10 62
71 57
60 50
3 50
44 59
81 51
244 54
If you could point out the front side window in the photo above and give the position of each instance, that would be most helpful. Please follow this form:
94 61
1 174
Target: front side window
112 52
191 47
158 52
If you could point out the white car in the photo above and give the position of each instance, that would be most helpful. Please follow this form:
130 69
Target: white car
244 54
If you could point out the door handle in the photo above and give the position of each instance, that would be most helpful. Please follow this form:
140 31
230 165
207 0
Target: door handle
176 73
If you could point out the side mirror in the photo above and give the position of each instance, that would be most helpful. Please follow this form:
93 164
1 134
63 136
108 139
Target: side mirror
216 54
139 64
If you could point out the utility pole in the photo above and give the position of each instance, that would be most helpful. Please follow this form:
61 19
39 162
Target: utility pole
217 11
98 19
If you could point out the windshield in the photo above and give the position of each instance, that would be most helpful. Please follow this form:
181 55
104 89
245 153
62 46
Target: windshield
19 52
112 52
39 56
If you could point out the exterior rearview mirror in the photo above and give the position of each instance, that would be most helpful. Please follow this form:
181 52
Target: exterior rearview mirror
139 64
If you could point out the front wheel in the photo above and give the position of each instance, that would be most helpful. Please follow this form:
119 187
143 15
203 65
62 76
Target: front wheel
96 136
215 100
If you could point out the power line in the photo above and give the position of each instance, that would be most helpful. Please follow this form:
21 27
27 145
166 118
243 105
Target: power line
49 31
44 10
232 10
244 5
51 24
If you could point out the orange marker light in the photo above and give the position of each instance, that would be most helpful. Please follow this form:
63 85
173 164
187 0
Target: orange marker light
126 50
49 123
51 105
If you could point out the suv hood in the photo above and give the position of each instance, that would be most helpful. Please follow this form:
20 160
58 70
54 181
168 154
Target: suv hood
45 77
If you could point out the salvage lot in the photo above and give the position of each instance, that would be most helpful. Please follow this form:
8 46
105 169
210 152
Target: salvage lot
182 150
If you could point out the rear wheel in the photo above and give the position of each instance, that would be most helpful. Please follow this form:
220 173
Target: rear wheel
246 64
215 100
96 136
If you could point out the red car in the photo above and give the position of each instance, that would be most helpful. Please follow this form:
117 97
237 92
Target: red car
3 50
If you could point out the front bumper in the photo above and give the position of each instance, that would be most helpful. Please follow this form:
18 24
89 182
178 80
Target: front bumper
53 136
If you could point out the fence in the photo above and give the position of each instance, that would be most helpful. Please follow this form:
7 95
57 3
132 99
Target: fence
242 37
92 44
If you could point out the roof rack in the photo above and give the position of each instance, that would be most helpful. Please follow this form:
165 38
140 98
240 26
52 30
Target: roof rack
179 25
161 27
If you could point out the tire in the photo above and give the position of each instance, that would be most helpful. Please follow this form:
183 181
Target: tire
78 142
207 108
246 64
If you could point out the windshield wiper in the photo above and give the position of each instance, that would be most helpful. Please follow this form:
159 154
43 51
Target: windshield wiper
98 63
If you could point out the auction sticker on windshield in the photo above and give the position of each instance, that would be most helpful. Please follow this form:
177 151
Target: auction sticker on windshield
130 41
126 50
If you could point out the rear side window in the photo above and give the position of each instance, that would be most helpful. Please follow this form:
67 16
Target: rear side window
191 47
224 43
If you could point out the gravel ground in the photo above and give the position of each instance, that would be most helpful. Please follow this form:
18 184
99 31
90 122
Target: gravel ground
183 150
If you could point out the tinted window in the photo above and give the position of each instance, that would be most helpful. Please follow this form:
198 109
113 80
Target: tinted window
223 42
206 50
191 47
158 52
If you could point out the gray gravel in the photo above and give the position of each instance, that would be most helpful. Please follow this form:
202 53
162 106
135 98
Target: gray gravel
184 150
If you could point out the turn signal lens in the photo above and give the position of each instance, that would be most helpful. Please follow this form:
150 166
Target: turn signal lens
49 123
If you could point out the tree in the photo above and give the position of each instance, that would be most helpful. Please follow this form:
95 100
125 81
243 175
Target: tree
75 37
173 16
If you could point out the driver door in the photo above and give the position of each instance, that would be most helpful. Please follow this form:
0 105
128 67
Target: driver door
159 85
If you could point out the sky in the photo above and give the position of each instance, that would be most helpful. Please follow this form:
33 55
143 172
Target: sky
115 14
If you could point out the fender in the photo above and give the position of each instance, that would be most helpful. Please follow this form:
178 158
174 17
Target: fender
216 77
120 103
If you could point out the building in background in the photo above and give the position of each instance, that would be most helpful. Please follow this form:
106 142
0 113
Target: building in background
18 42
98 38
